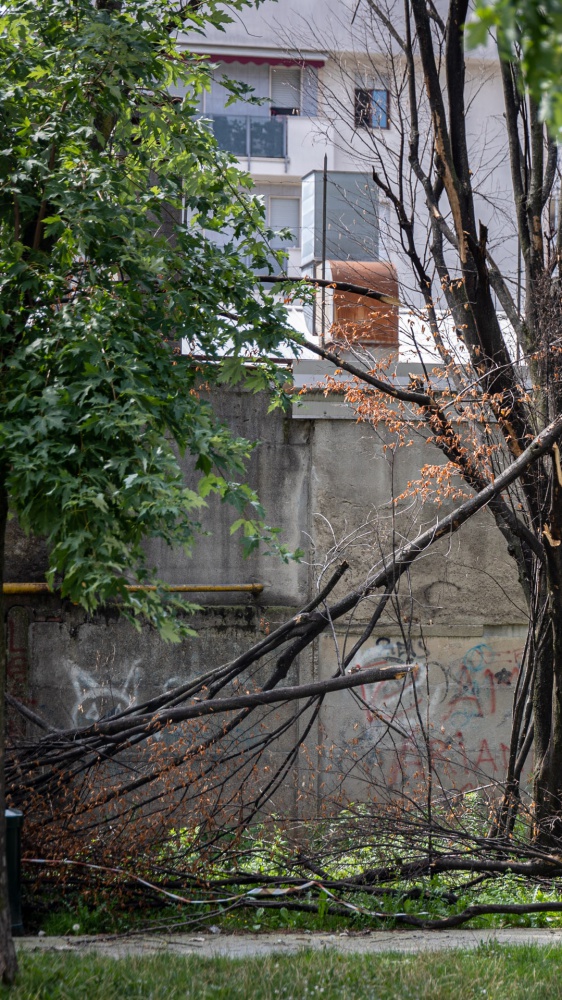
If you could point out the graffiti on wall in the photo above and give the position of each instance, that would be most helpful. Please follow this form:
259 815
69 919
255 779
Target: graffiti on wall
464 704
97 699
387 699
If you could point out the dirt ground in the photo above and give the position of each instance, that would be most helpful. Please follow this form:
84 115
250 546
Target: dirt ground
211 945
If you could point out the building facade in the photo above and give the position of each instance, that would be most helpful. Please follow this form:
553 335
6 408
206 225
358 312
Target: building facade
332 96
329 109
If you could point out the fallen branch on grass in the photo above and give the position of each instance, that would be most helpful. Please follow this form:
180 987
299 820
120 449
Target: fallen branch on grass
284 897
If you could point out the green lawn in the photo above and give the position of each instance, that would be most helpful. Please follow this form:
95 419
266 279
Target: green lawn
491 971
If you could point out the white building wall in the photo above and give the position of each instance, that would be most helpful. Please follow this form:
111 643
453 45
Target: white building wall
351 56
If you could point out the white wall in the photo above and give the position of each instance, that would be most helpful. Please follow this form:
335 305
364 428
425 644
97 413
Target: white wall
354 56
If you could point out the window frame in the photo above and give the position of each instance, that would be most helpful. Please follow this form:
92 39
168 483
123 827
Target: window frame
361 119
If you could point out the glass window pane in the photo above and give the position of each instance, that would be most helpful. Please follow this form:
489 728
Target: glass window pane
309 106
284 213
379 108
256 77
230 133
308 193
286 87
267 137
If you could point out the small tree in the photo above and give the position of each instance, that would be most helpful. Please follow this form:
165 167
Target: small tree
99 166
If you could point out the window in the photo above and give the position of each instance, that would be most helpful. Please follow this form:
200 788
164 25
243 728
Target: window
371 108
254 76
284 213
285 90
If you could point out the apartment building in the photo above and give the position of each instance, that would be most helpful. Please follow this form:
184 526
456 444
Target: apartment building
327 91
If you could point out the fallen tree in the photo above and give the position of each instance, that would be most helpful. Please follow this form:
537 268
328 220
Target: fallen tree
142 721
497 427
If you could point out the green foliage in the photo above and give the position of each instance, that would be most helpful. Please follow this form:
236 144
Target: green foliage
490 971
98 165
83 919
530 33
245 880
268 850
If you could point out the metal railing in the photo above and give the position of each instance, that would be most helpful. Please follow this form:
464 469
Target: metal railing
251 135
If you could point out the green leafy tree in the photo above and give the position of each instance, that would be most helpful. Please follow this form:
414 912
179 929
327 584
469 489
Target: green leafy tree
530 32
99 165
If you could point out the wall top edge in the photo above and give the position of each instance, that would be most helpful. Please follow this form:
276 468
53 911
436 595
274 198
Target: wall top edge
487 632
250 52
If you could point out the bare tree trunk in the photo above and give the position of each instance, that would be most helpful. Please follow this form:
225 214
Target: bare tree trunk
548 772
8 962
436 89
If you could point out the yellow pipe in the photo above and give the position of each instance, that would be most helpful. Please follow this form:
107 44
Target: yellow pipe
195 588
182 588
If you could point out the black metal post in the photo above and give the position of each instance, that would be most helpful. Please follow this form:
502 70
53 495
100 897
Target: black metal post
14 820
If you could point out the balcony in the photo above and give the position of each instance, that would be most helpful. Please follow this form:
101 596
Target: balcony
251 136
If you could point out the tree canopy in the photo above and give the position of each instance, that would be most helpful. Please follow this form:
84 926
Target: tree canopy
112 193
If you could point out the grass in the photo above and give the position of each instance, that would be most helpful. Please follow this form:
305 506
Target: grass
491 971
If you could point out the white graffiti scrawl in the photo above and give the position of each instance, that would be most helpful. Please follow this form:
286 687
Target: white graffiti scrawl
97 699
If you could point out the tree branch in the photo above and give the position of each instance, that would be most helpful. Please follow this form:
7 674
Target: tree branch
214 706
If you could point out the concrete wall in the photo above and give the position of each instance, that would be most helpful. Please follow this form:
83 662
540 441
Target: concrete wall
280 472
328 482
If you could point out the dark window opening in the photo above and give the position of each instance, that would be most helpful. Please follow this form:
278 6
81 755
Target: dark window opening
285 111
371 108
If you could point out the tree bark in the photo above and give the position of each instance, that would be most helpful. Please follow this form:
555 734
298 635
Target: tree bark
548 770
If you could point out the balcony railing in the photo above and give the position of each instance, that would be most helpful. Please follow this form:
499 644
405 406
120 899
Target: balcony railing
251 135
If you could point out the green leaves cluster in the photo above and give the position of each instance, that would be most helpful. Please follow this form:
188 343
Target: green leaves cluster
100 167
529 32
